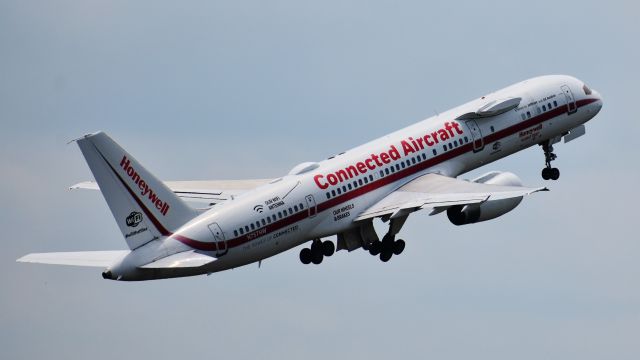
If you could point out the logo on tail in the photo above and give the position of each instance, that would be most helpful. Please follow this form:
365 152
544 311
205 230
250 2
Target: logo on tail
134 219
145 190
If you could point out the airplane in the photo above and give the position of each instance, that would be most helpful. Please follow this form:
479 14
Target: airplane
185 228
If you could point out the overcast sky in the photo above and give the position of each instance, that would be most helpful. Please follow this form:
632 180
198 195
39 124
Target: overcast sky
249 89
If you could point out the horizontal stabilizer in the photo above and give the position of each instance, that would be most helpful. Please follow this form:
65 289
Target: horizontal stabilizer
187 259
76 258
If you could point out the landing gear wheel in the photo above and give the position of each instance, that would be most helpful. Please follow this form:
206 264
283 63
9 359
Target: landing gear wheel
398 247
554 173
328 248
374 248
385 256
316 257
305 256
546 173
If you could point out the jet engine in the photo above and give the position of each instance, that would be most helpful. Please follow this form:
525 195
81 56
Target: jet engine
469 214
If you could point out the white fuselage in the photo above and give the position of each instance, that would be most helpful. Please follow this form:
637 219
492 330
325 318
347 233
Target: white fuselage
322 199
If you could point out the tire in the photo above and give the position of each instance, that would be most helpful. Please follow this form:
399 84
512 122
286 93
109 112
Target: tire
398 247
328 248
545 174
374 248
316 257
305 256
554 174
385 256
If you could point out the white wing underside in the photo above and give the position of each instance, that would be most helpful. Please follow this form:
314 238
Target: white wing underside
76 258
210 191
439 192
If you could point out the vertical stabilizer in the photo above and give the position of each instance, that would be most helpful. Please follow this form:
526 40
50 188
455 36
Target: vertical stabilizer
142 205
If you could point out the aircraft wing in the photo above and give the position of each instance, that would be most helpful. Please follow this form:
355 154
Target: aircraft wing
210 191
439 192
76 258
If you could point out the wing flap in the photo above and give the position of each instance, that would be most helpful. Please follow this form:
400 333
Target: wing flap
438 191
76 258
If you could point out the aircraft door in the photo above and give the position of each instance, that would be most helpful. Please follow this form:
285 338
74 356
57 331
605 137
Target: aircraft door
476 134
218 236
311 205
571 101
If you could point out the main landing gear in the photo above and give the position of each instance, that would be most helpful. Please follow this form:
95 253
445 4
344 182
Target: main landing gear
549 173
389 246
319 249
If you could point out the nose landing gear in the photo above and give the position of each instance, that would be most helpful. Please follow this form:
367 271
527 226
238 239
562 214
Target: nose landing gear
549 173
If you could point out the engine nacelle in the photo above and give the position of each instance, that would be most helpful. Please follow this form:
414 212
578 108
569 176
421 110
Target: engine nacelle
469 214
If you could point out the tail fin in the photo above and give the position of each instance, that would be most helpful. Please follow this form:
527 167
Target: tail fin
142 205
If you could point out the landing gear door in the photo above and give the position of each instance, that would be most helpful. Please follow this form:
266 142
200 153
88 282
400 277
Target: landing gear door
218 237
478 142
571 101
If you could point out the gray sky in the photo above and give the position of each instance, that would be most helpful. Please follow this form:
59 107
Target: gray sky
243 89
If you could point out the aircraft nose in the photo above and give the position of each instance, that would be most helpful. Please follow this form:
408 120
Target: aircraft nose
598 103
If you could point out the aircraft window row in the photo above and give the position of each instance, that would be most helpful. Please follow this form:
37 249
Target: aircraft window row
268 220
350 186
545 107
392 169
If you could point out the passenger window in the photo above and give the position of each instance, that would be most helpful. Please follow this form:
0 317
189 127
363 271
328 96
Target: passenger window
328 195
450 146
444 147
434 152
414 160
528 115
235 233
397 167
370 177
538 110
263 222
301 207
402 164
290 211
333 193
549 106
492 129
241 231
274 217
466 139
279 215
349 186
295 207
360 182
386 171
339 191
455 143
381 173
246 228
522 116
344 189
257 224
555 103
424 156
544 107
252 227
269 218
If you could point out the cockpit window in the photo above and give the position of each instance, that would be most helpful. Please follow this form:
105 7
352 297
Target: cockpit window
586 89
